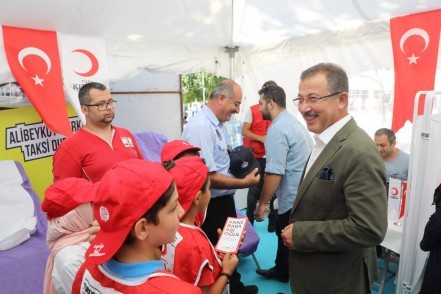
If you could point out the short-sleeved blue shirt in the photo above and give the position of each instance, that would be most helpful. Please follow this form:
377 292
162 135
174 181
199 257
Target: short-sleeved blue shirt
287 146
206 132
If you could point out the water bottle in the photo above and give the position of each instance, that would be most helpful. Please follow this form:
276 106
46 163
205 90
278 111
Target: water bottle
234 129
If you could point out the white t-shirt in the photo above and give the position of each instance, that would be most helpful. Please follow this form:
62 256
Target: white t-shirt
248 118
66 264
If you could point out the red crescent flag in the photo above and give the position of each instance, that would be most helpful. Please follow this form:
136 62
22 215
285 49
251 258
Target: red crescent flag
83 60
415 42
34 61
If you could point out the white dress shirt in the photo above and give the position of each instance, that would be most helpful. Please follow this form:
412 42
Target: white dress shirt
322 139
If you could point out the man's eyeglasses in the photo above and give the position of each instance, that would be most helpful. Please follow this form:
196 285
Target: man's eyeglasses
104 105
313 99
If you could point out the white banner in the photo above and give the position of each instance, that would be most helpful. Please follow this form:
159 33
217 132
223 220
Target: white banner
83 60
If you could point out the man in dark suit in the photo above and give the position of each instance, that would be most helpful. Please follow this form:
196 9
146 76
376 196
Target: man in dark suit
340 213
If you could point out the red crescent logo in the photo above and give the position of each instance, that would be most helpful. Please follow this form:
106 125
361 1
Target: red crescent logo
95 65
394 191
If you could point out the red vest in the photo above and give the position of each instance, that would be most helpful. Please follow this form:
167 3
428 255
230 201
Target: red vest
259 126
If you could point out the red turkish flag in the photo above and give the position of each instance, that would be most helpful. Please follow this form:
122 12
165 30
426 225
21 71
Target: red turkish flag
415 42
35 63
403 199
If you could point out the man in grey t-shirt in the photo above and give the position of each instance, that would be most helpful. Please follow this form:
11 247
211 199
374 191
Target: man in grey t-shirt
395 160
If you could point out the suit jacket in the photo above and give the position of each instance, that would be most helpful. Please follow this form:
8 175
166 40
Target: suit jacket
339 216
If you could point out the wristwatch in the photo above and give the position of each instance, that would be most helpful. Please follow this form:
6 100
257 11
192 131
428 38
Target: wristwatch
228 276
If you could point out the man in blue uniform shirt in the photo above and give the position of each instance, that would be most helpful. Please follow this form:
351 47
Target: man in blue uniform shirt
206 131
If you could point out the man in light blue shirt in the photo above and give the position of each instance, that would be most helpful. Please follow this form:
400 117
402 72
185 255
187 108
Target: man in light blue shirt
287 145
206 131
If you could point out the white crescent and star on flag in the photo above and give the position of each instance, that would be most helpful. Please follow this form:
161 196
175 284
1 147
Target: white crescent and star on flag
38 52
43 55
414 32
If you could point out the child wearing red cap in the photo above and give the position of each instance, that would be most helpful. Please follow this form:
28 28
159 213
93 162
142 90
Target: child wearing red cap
176 149
191 256
136 205
68 207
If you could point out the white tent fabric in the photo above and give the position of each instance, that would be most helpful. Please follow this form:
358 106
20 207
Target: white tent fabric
190 35
274 39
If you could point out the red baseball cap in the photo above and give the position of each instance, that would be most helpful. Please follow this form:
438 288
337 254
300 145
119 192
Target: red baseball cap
124 194
173 148
189 173
65 195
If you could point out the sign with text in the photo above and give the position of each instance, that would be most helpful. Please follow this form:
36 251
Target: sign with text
229 239
25 138
36 140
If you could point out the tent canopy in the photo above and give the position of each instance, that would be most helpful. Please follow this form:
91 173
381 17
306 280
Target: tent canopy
191 35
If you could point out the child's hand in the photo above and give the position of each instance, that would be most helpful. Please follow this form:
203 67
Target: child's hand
219 233
221 255
93 229
229 263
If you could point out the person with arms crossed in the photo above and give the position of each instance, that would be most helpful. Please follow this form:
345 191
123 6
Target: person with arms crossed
207 131
287 146
395 160
125 256
96 147
340 213
254 131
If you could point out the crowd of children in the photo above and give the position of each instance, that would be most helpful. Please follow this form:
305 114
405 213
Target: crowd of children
142 221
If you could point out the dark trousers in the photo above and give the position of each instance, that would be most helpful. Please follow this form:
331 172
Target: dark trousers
218 210
254 196
282 251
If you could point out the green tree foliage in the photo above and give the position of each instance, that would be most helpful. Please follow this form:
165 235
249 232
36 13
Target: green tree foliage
192 86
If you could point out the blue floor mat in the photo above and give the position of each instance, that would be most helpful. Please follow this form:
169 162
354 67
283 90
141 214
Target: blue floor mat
266 253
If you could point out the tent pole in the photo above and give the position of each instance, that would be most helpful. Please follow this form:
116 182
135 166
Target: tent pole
203 86
232 52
